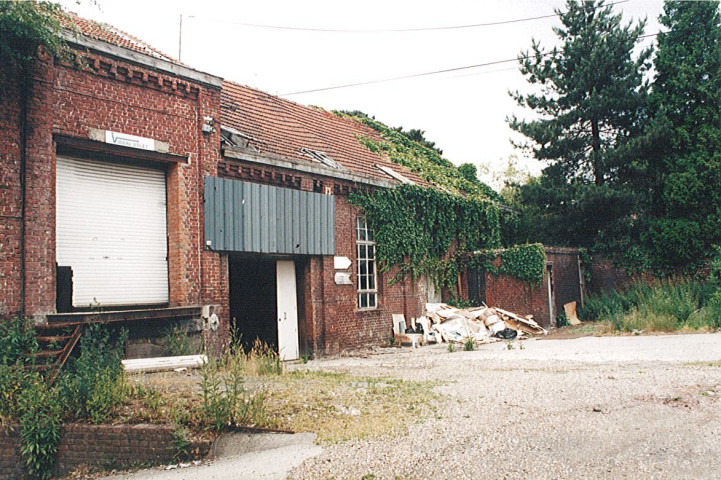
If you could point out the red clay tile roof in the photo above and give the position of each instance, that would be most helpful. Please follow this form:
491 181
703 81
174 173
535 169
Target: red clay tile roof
109 34
282 127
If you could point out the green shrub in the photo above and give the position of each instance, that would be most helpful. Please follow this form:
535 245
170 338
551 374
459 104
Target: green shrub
18 342
710 315
224 399
40 423
665 306
93 384
14 380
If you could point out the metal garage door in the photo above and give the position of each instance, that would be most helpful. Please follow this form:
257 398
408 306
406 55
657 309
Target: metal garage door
111 230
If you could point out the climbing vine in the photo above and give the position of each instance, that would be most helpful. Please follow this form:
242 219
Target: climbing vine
524 262
426 162
433 231
423 230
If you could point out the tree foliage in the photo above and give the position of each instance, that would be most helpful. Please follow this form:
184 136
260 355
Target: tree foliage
648 188
426 162
26 25
469 172
685 163
591 93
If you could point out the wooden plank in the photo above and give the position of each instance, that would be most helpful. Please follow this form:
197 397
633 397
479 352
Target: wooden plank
162 364
67 350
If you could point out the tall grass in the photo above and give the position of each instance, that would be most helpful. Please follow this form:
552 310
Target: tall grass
663 306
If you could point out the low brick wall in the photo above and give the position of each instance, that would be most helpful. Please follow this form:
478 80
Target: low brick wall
105 446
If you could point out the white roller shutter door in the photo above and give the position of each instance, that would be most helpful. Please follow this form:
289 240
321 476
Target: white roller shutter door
111 229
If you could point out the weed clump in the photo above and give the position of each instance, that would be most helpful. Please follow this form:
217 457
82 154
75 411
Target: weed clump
663 306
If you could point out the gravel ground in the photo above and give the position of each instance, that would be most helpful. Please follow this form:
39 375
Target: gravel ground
644 407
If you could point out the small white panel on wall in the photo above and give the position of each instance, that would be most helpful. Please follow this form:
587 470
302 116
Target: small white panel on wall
342 278
341 263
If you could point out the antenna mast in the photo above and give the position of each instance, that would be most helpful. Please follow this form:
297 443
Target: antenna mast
180 37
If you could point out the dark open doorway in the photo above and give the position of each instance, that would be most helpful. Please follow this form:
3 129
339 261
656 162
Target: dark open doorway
253 303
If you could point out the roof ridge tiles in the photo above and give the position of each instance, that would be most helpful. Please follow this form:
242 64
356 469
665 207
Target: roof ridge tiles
111 34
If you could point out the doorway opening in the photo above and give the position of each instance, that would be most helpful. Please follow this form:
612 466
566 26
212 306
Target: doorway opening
264 304
253 302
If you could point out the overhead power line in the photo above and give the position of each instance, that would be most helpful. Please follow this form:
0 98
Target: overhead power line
402 77
382 30
424 74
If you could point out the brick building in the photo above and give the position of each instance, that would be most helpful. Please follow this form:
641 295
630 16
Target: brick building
119 204
139 190
103 158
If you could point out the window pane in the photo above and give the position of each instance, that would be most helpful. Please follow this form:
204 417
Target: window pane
372 299
361 231
371 282
363 300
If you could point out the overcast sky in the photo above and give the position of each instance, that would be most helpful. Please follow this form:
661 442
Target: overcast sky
463 111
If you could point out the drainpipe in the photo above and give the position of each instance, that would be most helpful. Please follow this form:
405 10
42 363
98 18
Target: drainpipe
24 94
321 347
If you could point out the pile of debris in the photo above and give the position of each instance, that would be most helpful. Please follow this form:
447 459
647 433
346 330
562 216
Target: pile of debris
443 323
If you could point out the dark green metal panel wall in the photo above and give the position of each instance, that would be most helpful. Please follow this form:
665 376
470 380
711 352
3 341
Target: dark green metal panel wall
248 217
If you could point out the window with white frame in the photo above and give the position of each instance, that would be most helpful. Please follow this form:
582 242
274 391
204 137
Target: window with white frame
367 279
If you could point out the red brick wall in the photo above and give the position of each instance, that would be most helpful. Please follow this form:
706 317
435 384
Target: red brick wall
605 277
518 297
96 446
10 195
346 326
39 220
107 94
521 298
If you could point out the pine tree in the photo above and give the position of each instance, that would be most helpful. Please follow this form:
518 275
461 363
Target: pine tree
686 165
591 93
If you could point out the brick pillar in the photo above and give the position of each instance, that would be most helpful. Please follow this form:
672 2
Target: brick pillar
40 194
10 195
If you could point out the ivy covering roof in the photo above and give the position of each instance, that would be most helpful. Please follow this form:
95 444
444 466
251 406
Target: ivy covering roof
421 160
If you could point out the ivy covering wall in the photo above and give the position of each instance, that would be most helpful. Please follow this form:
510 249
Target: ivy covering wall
424 230
524 262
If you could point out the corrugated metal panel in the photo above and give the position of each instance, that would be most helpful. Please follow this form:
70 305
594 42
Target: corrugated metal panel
248 217
111 229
